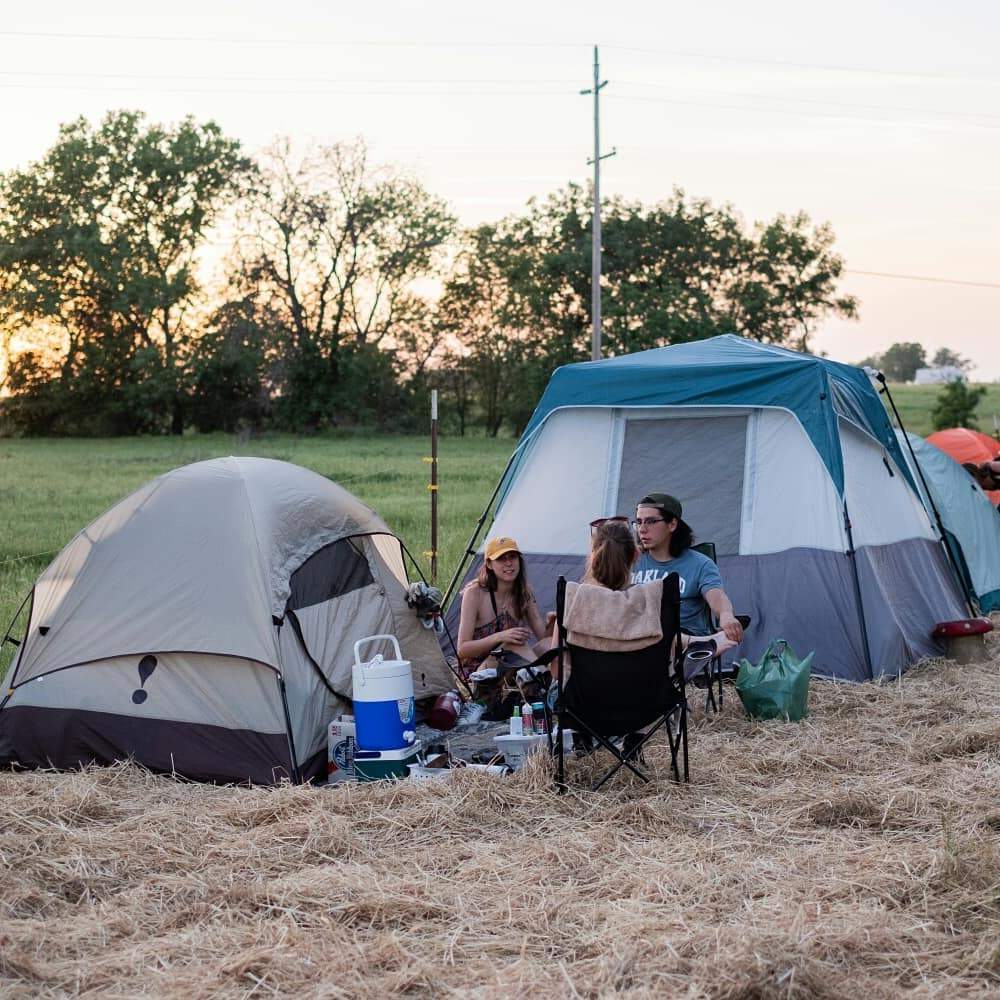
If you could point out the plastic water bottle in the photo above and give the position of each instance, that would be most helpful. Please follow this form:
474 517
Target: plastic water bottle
538 710
528 719
516 723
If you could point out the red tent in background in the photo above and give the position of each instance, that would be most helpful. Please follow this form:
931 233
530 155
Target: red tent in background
965 445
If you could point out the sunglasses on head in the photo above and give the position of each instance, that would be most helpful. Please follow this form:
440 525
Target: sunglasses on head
598 521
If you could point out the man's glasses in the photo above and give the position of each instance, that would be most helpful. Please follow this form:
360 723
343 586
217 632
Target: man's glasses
647 522
598 521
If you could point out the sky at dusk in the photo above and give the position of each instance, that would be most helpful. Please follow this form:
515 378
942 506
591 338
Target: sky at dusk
880 118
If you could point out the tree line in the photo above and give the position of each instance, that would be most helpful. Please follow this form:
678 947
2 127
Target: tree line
347 289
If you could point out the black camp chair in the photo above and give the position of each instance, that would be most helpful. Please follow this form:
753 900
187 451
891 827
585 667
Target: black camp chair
711 669
614 694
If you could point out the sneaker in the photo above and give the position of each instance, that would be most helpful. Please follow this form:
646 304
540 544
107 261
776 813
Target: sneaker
472 712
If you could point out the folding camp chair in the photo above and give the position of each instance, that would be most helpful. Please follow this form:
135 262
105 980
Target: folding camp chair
712 669
613 694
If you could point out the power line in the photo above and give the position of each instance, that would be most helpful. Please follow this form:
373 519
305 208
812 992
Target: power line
806 66
268 91
751 95
920 277
467 81
310 42
474 44
805 114
263 80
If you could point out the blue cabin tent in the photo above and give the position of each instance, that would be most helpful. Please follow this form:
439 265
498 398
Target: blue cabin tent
787 462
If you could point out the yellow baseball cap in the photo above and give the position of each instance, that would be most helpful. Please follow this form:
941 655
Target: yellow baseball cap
496 547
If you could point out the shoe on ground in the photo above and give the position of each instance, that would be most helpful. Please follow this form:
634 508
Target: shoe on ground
472 712
630 748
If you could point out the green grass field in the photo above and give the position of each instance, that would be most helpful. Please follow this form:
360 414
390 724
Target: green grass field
915 403
50 489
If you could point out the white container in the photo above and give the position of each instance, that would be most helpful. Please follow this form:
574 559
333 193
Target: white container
420 773
567 740
383 699
340 743
516 748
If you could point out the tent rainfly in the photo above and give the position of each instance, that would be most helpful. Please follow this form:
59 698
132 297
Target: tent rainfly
205 626
787 462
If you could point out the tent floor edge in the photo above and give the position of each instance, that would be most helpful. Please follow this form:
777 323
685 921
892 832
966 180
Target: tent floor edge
68 739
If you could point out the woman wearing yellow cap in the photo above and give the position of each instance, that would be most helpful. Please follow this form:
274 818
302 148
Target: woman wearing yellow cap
498 608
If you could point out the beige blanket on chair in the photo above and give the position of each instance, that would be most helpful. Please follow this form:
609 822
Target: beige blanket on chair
613 620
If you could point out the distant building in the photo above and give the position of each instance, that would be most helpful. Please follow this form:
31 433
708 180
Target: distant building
935 376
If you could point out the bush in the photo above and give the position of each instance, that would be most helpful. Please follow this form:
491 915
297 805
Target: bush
956 405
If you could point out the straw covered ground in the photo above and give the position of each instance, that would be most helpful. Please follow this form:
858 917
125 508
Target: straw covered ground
854 854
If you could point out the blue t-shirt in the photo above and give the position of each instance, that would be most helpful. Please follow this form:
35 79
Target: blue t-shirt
697 574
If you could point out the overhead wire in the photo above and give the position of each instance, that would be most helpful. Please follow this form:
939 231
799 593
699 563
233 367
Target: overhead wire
481 44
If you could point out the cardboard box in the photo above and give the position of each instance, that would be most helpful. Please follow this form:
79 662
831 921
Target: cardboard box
340 745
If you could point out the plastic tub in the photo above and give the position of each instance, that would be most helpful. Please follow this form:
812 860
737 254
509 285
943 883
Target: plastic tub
516 748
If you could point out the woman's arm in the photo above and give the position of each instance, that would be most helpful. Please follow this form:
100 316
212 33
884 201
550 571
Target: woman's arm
469 648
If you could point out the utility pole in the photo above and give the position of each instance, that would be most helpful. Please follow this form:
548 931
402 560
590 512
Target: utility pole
595 270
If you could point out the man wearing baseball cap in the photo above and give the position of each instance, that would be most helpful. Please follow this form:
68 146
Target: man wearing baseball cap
666 540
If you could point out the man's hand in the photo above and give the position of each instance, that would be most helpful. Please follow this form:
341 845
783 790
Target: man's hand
732 628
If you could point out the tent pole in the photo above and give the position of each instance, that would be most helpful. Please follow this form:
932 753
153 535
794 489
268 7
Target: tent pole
21 645
852 555
469 549
969 598
296 774
461 681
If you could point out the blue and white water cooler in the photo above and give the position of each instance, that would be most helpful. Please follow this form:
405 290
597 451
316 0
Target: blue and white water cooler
383 713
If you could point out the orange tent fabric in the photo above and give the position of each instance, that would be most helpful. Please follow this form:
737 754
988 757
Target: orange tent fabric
965 445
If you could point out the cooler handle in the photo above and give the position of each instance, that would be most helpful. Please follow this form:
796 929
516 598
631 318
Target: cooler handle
374 638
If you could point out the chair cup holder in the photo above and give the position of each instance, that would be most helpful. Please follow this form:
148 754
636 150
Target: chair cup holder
700 655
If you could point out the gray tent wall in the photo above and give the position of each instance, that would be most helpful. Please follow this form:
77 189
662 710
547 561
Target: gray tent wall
346 591
161 631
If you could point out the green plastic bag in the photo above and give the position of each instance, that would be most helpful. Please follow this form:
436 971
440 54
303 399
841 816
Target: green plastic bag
778 686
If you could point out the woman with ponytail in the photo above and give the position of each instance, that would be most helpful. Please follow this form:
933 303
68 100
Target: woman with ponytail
613 553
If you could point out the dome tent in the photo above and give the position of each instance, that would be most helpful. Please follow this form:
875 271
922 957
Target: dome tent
964 444
787 462
971 522
205 624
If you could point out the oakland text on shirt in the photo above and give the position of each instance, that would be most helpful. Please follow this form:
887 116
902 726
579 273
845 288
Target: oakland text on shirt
651 575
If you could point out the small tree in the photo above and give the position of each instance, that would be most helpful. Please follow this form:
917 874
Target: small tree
956 405
901 361
947 358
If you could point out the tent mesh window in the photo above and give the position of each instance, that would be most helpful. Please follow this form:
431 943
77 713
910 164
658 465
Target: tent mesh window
335 570
699 460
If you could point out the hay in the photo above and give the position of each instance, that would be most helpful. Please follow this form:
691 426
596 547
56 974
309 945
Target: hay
856 853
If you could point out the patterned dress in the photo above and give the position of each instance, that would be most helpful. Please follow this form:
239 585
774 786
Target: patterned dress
503 621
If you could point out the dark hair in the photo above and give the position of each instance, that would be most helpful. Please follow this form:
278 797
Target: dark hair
520 591
682 539
612 552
